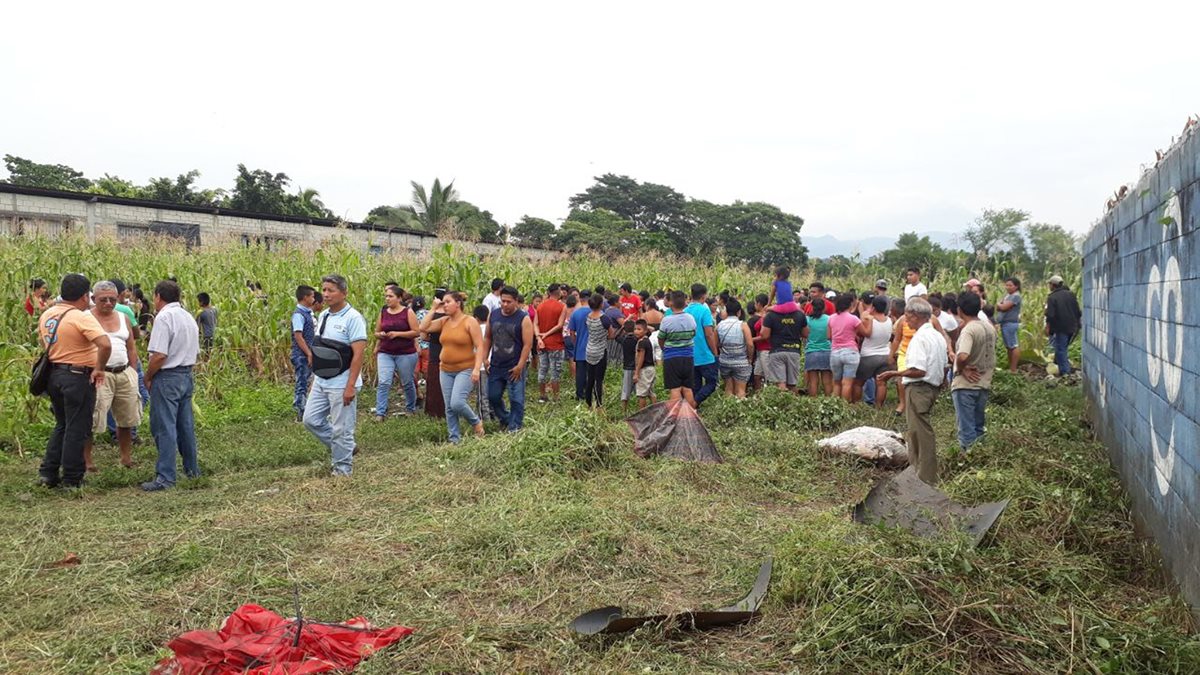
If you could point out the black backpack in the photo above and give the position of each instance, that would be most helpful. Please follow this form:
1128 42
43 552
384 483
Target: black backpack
330 357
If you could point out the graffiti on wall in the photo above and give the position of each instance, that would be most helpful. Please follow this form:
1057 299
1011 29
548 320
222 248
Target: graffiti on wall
1164 339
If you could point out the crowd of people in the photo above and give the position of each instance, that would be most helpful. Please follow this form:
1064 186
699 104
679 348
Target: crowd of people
470 363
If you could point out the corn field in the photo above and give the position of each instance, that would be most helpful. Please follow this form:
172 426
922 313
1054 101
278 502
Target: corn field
253 334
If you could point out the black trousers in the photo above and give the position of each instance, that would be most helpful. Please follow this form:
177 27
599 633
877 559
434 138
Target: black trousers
581 368
73 400
594 386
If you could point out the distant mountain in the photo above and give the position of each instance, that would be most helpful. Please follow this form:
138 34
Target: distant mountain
825 245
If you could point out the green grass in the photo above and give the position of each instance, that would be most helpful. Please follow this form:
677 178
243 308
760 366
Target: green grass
490 548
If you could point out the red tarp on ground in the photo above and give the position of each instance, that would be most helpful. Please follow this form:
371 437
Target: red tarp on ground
257 641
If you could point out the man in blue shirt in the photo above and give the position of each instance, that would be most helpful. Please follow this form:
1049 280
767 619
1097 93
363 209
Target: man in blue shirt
303 332
335 398
705 360
578 327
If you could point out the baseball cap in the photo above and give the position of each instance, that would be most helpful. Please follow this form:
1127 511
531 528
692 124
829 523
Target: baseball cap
1055 279
972 282
830 294
881 283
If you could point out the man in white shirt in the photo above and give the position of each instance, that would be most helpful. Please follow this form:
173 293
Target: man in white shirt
174 348
492 300
925 370
914 288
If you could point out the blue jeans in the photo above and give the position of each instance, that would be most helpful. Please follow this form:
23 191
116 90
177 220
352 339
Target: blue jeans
497 384
704 381
389 365
456 389
333 424
172 423
969 407
869 391
1060 341
303 375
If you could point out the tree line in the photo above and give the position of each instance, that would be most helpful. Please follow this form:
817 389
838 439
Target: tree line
616 213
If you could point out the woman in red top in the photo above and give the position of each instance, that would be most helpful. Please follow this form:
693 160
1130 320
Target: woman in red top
395 352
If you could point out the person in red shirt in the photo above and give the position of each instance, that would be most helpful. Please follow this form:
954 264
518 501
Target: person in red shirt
548 327
762 347
38 299
631 303
816 292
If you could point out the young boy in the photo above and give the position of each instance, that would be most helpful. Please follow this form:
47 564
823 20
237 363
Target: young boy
207 318
481 314
572 303
303 333
782 300
678 336
643 367
629 344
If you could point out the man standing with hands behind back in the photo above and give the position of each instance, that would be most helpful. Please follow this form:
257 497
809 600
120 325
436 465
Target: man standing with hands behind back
174 348
78 349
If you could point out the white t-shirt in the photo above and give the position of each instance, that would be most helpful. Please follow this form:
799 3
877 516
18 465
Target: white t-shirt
949 322
911 290
492 302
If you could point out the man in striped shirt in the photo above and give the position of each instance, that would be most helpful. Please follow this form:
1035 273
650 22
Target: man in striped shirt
677 335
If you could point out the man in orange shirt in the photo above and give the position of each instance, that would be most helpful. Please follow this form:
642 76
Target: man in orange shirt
551 316
78 349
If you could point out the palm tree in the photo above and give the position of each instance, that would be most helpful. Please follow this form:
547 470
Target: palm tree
433 207
308 203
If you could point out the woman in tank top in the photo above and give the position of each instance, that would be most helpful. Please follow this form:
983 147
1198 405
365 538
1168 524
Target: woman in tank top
735 344
395 353
876 333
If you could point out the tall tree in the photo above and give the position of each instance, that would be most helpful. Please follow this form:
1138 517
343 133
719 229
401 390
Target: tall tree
260 191
1054 250
649 207
532 231
997 230
307 202
473 223
751 233
182 190
432 207
912 250
596 229
394 216
115 186
22 171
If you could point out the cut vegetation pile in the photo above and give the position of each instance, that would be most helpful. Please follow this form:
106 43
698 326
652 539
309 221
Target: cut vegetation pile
490 548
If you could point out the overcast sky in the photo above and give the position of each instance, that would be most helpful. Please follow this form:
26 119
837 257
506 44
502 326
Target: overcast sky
863 118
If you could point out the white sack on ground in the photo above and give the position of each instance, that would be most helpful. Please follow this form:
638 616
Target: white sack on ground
882 446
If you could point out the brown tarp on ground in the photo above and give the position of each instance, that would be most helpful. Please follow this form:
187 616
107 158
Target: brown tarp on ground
672 429
907 502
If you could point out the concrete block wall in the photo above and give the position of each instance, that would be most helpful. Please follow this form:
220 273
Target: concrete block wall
53 215
1141 352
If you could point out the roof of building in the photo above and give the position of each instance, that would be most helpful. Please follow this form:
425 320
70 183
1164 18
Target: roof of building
192 208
